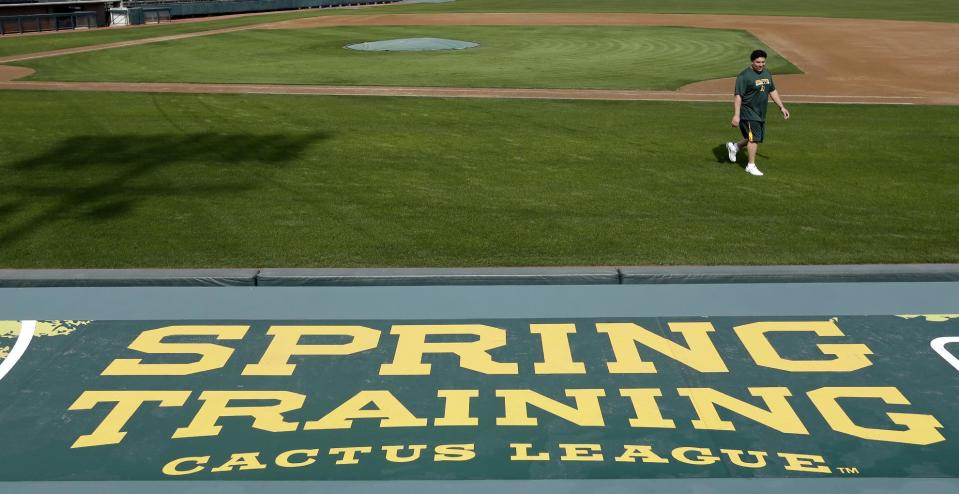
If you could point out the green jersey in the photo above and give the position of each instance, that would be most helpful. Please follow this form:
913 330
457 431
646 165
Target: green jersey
754 87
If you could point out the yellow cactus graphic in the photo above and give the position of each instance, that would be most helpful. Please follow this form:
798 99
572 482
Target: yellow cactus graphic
931 317
17 341
11 329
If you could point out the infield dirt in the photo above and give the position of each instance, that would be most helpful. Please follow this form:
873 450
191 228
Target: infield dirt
843 60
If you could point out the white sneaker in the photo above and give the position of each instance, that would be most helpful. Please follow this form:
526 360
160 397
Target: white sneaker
732 149
752 170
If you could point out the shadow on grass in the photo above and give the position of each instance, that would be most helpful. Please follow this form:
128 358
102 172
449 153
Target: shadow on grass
104 177
149 151
720 153
722 156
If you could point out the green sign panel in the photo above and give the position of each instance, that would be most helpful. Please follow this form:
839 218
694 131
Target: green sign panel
866 396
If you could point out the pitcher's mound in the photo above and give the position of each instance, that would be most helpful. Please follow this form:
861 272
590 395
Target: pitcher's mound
413 44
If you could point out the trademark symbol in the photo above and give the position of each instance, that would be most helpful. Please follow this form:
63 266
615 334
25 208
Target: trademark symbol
848 470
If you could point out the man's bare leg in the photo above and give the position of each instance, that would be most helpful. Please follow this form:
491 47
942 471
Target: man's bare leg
752 148
735 150
751 168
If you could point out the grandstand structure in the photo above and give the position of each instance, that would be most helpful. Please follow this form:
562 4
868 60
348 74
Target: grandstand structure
26 16
195 8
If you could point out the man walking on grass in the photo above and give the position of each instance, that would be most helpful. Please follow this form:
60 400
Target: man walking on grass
754 87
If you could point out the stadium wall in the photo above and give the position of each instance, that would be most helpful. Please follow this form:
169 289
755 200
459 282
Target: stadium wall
220 7
25 16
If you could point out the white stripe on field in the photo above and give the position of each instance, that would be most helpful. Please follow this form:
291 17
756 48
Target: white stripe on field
27 328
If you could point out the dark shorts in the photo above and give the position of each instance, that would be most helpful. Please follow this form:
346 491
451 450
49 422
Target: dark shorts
752 130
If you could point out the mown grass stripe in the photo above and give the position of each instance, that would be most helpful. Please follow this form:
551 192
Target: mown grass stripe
635 57
927 10
135 180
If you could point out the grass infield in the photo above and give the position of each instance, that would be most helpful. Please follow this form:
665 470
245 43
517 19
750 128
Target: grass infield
105 180
526 57
926 10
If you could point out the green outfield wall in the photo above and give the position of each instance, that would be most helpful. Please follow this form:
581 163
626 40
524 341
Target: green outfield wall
193 9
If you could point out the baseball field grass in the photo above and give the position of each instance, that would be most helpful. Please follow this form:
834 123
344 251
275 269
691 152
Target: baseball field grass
103 180
517 57
926 10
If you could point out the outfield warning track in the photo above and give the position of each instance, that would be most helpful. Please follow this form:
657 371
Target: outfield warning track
843 60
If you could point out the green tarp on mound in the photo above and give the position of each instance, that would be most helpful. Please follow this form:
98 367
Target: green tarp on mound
412 44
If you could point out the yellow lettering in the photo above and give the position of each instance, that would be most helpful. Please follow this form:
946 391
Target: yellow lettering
110 431
849 357
211 356
349 454
216 404
557 355
474 355
246 461
920 429
457 410
391 412
172 470
286 344
647 411
805 463
736 457
285 460
581 452
780 415
393 453
454 452
586 412
521 453
704 456
633 451
700 355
